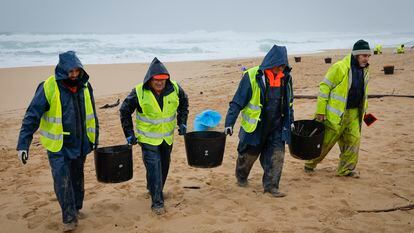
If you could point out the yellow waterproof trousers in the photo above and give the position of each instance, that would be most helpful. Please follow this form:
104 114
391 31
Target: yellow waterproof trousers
348 136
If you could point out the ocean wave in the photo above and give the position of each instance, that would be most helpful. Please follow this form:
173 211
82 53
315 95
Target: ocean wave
42 49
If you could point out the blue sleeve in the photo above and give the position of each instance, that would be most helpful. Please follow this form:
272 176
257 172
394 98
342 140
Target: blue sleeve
128 107
240 100
31 120
182 111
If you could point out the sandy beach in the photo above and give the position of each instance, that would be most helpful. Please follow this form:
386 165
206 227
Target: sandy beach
318 202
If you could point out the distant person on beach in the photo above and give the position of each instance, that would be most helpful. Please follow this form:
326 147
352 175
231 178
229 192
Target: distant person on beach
64 108
159 104
378 49
400 49
265 99
341 106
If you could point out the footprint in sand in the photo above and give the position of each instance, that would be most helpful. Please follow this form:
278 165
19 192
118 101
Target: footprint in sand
102 209
311 207
227 220
40 204
344 202
136 218
54 226
35 221
12 216
307 197
209 221
346 212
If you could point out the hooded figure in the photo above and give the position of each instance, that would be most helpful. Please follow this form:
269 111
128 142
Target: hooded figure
64 108
265 99
159 104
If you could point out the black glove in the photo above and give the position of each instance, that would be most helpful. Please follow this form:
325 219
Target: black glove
23 156
182 129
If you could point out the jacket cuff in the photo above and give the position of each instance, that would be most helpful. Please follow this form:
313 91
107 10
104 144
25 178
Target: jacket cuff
321 107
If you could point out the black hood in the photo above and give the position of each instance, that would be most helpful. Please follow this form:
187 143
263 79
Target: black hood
156 67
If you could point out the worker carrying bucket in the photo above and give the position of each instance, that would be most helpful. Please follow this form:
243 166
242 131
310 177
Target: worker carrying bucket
265 99
64 109
159 104
341 106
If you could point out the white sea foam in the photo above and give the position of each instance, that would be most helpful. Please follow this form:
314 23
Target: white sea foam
42 49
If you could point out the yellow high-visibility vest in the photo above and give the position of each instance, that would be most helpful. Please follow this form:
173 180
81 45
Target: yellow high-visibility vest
51 128
154 125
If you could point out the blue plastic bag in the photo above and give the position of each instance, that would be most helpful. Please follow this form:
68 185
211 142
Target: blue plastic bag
206 120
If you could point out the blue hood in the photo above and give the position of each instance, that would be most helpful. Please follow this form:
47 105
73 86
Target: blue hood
275 57
67 62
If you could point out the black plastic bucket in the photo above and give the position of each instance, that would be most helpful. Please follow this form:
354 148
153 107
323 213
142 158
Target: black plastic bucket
307 139
113 164
388 69
375 52
298 59
328 60
205 149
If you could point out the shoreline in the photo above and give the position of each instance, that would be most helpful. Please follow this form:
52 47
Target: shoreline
327 51
128 74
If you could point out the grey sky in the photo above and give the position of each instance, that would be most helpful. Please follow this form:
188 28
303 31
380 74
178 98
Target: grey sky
162 16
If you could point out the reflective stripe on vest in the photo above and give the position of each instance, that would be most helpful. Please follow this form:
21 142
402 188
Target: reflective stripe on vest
327 82
155 135
251 112
52 119
51 136
323 95
338 97
155 125
336 111
156 121
51 128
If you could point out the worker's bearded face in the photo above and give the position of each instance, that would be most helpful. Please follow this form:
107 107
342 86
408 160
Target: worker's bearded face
158 85
363 59
74 74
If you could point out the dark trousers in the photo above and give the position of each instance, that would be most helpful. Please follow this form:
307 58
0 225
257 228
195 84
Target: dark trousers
68 181
157 163
271 152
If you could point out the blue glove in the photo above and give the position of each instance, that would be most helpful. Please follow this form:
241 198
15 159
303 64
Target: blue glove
182 129
132 140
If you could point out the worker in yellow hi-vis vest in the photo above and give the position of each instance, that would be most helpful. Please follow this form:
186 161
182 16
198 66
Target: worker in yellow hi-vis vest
64 109
400 49
159 104
378 49
341 106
